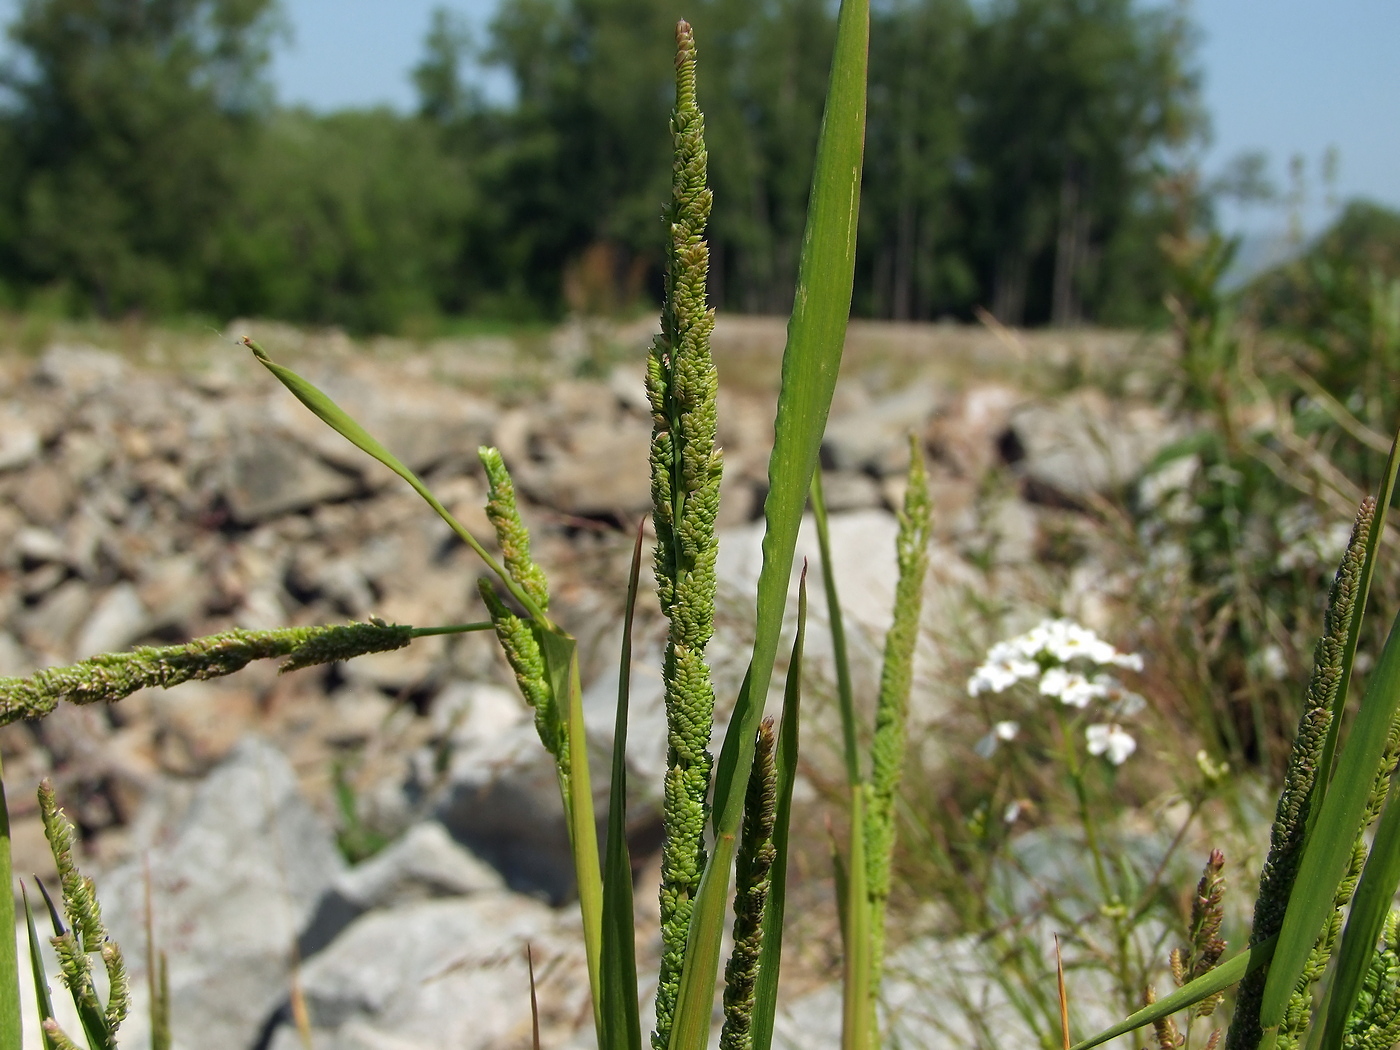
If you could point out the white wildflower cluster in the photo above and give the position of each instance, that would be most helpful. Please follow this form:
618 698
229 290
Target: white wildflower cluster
1064 659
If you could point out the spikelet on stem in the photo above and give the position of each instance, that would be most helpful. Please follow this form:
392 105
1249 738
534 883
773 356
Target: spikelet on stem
682 387
1205 945
752 878
511 534
112 676
891 713
1291 816
1374 1022
86 934
521 645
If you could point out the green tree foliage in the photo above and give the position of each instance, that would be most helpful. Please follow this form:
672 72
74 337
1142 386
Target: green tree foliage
1015 160
1074 105
129 117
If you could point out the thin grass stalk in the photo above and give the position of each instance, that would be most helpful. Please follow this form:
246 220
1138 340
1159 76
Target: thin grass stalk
11 1025
811 361
857 936
621 1018
683 388
845 693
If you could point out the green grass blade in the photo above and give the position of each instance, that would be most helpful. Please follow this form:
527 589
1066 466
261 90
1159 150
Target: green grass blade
622 1026
845 695
1329 846
42 998
1216 980
816 337
771 954
84 998
857 933
1369 906
561 664
1368 568
11 1027
341 422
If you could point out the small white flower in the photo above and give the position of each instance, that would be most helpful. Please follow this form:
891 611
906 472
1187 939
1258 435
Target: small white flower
1012 811
1110 740
1126 704
1001 732
999 674
1071 687
1275 664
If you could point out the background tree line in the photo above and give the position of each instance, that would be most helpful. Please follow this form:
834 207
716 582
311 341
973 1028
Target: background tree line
1023 157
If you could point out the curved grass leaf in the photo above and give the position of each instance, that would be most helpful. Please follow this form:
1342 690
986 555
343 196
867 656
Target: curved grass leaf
621 1023
343 424
1216 980
771 954
42 998
816 337
1329 846
1369 906
561 665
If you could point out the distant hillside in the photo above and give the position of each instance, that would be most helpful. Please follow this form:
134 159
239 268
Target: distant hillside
1334 274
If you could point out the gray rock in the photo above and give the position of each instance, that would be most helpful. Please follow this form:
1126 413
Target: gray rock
51 624
1082 444
499 795
237 878
19 444
118 619
875 437
270 475
81 370
424 863
446 973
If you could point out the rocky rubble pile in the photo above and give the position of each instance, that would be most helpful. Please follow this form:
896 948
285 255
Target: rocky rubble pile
147 506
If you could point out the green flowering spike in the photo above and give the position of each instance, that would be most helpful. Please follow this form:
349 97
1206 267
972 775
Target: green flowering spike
112 676
118 988
1291 817
683 387
896 680
58 1038
86 934
511 534
1205 945
1299 1012
522 649
1374 1022
752 875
